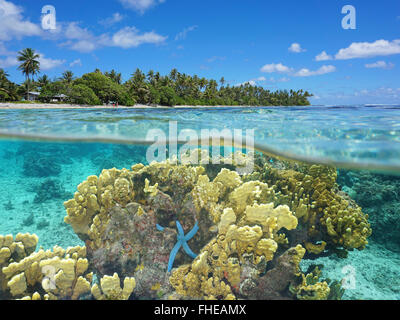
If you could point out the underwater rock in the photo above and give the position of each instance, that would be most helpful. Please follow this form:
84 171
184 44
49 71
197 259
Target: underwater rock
8 206
274 283
42 224
379 196
29 220
49 189
134 246
36 166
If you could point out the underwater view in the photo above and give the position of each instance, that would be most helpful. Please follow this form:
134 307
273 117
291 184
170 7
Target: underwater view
199 158
86 214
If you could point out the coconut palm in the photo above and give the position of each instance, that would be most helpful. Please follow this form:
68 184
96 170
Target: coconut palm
114 76
67 76
3 75
30 64
43 81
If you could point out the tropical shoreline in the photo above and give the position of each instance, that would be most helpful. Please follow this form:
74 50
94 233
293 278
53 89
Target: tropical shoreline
5 105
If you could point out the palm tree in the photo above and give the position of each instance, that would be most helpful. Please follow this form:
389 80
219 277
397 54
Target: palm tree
7 88
114 76
30 64
43 81
67 76
222 81
3 75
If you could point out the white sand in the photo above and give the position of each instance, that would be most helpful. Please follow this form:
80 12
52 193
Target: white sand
70 106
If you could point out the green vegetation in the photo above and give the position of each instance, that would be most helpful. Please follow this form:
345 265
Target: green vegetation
176 88
8 90
30 65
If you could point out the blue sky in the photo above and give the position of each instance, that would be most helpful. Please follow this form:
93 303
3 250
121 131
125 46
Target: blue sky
276 44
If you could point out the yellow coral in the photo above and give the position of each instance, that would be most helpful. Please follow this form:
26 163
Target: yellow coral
110 288
217 289
312 195
12 251
261 213
55 270
250 193
152 190
228 218
228 179
266 248
66 280
95 197
315 248
83 206
310 288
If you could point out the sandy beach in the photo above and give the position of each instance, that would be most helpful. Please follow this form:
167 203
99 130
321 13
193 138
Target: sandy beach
70 106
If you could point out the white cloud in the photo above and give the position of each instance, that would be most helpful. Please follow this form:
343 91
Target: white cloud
255 81
261 79
380 92
12 23
307 73
323 56
380 64
84 46
280 68
283 79
140 5
76 62
250 82
276 67
82 40
369 49
215 58
296 47
129 37
74 32
47 63
4 51
8 62
182 35
115 18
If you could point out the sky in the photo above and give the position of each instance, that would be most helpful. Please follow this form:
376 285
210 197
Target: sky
343 55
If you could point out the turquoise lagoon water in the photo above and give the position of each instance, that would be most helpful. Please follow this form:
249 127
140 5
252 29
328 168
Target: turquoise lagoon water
46 153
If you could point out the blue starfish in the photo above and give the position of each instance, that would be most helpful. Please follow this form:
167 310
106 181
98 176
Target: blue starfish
182 241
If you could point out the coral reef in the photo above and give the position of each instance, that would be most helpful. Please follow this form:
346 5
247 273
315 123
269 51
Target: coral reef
379 196
184 231
326 213
244 226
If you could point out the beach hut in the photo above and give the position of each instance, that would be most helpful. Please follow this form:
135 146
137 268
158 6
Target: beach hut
33 96
59 98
